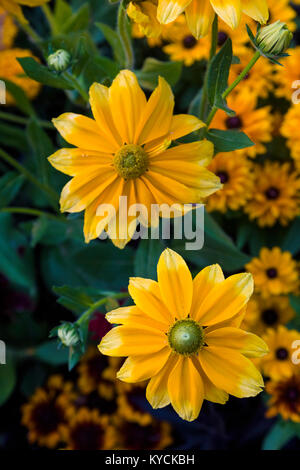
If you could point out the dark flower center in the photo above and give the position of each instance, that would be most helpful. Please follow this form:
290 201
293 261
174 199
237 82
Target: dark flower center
270 316
292 394
46 417
282 354
138 437
272 273
234 122
189 42
272 193
222 38
87 436
224 177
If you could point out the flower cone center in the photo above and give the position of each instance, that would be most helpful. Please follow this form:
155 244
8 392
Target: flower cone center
131 161
186 337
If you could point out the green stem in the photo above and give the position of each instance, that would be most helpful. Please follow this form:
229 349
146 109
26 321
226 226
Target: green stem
88 313
22 120
53 197
50 18
125 37
31 33
212 53
34 212
77 86
242 75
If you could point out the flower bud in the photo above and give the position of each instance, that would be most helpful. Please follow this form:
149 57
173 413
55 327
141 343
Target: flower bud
274 39
68 334
59 60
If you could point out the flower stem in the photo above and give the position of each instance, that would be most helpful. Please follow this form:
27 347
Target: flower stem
34 212
22 120
125 37
88 313
50 18
77 86
242 75
53 197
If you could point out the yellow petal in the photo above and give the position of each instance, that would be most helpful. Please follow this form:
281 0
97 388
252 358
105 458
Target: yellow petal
157 115
157 389
73 161
228 10
200 152
147 296
127 103
256 9
231 371
184 124
127 341
82 131
143 367
169 10
233 338
211 392
199 16
14 9
132 316
226 299
186 390
175 283
203 283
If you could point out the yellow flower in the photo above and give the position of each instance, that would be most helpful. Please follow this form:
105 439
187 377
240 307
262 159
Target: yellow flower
143 13
290 130
275 196
274 272
267 313
285 398
184 336
12 70
288 74
47 413
200 13
123 152
277 364
256 123
128 399
13 6
187 49
234 171
87 430
8 30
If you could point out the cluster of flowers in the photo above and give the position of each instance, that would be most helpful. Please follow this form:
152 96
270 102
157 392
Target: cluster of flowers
92 410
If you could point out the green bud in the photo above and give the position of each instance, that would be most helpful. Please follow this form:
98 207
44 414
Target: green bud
274 39
68 334
59 60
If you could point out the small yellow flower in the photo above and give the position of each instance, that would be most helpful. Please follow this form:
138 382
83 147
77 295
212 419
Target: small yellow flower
257 123
12 70
123 152
267 313
234 171
8 30
13 6
288 74
290 130
285 398
143 13
274 272
129 396
277 364
275 196
184 336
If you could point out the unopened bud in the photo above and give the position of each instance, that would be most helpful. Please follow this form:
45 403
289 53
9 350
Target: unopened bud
59 60
274 39
68 334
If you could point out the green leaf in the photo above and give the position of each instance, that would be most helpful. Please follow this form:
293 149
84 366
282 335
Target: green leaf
153 68
218 74
41 74
78 21
7 380
227 141
13 136
77 299
291 241
10 185
146 258
21 100
114 41
48 232
280 434
50 353
42 148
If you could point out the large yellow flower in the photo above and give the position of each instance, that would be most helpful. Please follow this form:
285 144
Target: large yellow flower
123 152
200 13
13 6
274 272
184 336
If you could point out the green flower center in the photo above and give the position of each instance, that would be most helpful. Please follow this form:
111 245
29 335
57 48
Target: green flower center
186 337
131 161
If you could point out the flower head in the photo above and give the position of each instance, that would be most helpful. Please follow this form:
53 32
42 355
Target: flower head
13 6
274 272
274 39
59 60
285 398
184 336
124 152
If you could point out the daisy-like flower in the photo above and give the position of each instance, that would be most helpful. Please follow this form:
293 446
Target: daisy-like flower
290 130
285 398
288 74
200 13
131 435
274 272
278 364
87 430
12 70
275 196
257 123
8 30
267 313
47 413
14 6
234 171
123 152
184 336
